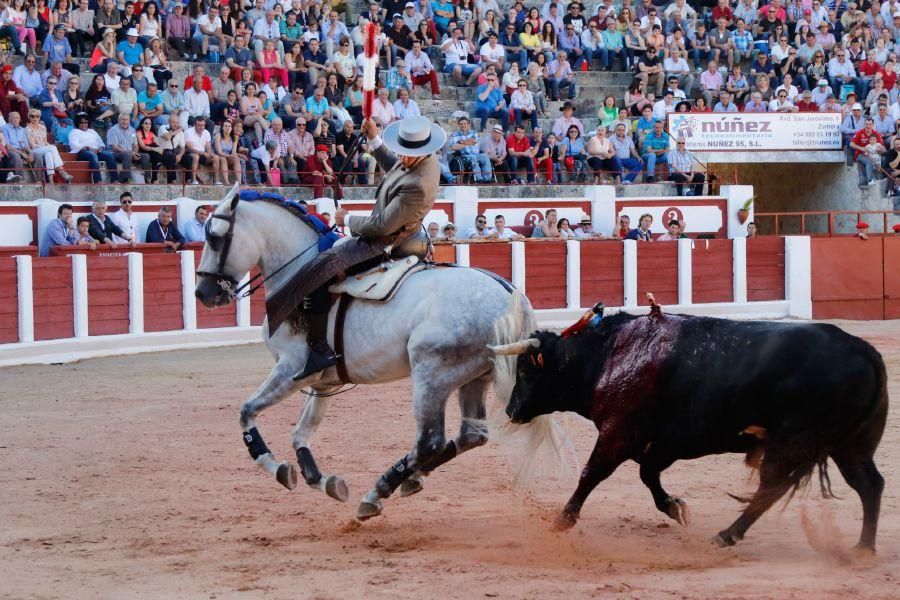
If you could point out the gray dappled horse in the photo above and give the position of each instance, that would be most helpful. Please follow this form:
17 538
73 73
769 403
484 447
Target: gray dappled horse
436 329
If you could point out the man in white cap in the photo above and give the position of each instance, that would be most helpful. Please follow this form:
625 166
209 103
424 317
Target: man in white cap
820 94
406 152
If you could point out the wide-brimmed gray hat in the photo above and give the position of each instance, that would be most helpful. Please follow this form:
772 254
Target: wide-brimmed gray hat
414 136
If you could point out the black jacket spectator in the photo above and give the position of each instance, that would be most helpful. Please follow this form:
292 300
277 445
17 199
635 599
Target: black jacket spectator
107 231
158 234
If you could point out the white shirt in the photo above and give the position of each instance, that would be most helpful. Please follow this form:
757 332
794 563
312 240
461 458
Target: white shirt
204 22
126 222
194 231
506 234
196 104
792 92
196 141
456 52
474 234
112 83
79 139
264 30
660 109
410 109
492 55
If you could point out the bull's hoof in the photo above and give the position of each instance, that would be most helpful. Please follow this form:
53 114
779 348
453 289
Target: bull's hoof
367 510
724 539
678 510
287 475
412 486
336 488
564 521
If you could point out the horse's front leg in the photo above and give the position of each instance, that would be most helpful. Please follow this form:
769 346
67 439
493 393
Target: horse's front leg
277 386
313 411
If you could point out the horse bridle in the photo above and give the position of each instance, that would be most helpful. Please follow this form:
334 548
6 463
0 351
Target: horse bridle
222 245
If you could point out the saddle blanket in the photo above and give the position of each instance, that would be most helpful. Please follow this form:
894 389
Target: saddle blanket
380 283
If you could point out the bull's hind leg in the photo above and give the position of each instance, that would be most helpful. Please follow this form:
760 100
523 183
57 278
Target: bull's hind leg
777 474
313 411
277 386
473 432
652 464
863 476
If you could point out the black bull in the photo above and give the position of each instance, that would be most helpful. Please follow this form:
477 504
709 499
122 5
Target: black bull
661 388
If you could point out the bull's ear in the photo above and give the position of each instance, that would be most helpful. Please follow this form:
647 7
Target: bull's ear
540 359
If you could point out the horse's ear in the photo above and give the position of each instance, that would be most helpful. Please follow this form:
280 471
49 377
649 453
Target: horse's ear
232 198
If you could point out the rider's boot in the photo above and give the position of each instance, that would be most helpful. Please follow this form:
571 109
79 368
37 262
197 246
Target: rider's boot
321 356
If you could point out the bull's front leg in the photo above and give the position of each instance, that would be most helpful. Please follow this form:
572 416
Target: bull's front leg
609 452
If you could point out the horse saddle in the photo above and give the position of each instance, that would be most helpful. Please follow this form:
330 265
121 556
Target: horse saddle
379 283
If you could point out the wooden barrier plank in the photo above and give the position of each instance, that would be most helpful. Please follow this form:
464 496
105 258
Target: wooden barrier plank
892 278
9 303
765 268
221 316
545 274
712 271
52 285
847 278
162 292
257 303
602 262
108 311
657 266
492 256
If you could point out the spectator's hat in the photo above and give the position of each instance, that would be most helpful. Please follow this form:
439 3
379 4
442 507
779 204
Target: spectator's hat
6 69
824 24
409 5
856 106
567 105
498 128
321 148
449 225
585 219
823 82
897 15
397 16
416 136
108 31
897 228
132 32
59 26
177 5
807 12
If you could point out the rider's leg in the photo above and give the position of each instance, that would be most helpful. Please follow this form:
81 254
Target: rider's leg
321 356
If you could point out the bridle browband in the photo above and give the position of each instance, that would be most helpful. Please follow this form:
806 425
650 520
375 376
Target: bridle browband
222 245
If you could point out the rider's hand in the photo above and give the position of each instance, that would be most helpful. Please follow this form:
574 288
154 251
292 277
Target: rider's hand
339 215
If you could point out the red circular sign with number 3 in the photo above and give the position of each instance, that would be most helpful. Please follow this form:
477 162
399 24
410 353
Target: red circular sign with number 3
672 213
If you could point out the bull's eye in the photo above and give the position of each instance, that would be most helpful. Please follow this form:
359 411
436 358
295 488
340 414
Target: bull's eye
540 359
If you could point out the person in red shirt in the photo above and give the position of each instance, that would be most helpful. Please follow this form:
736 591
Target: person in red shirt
199 71
723 11
867 162
519 154
11 97
320 172
806 104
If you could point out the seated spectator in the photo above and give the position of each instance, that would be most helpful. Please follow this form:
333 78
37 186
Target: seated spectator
399 38
494 146
102 227
150 105
464 142
725 105
104 52
737 85
404 106
565 231
121 141
421 70
546 155
212 39
61 230
522 104
480 231
782 104
56 48
642 232
560 75
16 147
586 230
519 155
156 60
163 231
11 97
562 124
83 234
382 110
124 99
448 232
711 83
320 172
627 154
398 78
501 232
602 158
125 219
239 57
675 66
456 51
128 51
650 70
868 146
271 64
624 228
841 72
682 171
198 149
664 106
44 153
574 156
316 62
805 104
489 103
170 138
547 227
151 152
195 229
673 234
27 78
656 145
138 80
225 147
751 229
756 104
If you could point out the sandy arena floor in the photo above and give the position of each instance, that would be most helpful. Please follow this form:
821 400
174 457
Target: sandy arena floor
126 477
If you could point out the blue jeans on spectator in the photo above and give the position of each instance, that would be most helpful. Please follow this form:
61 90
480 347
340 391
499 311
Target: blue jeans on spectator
633 167
467 69
13 35
651 159
94 159
484 113
555 84
867 170
514 164
601 54
480 165
519 114
701 57
520 57
446 173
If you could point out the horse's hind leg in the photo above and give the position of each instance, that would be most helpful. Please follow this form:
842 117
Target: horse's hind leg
277 386
473 432
862 475
313 411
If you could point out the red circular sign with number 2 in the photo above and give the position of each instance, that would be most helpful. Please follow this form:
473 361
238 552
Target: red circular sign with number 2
672 213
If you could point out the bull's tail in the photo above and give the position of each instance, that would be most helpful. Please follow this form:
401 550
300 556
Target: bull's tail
543 445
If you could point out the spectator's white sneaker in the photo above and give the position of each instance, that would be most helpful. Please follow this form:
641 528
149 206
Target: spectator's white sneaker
873 182
195 182
13 178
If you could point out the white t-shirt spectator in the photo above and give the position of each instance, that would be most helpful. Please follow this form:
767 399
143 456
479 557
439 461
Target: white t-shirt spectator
456 52
204 22
506 234
197 141
126 222
492 55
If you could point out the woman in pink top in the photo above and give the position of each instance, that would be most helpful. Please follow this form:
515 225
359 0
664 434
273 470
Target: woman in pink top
270 63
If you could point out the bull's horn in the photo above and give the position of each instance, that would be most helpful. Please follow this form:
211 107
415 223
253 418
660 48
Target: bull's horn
520 347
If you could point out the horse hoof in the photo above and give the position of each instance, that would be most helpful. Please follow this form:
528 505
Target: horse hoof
287 475
564 522
723 541
367 510
411 487
678 510
336 488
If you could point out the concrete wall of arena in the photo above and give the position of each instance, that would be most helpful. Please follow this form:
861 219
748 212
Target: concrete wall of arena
66 308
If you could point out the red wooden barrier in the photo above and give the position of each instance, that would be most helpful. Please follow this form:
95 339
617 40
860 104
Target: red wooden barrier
257 303
9 301
221 316
657 272
545 274
601 273
6 251
106 250
492 256
107 295
765 268
712 271
892 278
52 284
847 278
162 292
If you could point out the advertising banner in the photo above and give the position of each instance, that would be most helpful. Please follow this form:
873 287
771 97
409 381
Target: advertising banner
761 132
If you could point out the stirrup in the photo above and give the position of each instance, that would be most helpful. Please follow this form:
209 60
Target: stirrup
316 362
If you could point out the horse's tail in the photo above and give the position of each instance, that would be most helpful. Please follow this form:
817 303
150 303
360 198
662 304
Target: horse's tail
543 445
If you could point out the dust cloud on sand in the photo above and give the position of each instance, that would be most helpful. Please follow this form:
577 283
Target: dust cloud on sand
126 477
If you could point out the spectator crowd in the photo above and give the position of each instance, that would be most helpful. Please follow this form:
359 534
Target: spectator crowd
275 94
